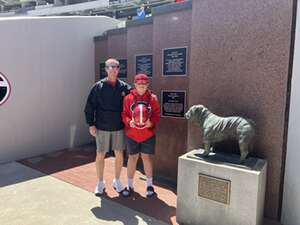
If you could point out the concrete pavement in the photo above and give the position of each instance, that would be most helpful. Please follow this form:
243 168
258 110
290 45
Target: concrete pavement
29 197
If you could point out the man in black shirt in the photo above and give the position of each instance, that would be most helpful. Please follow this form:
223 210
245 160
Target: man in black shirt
103 114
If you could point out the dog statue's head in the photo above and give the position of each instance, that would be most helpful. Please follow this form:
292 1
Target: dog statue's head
197 113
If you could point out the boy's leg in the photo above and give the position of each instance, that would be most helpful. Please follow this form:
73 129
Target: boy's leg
147 152
148 164
133 149
148 167
131 167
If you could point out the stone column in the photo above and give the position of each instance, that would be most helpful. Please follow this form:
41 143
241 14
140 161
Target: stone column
171 29
239 66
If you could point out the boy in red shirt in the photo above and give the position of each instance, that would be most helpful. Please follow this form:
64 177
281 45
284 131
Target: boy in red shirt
141 113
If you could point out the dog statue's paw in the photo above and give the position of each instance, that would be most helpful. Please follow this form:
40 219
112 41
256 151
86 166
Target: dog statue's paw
243 156
205 153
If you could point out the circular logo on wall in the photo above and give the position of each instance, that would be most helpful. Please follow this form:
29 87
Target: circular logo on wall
4 89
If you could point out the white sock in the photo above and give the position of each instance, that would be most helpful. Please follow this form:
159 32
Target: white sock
130 182
149 181
101 182
118 185
100 187
117 181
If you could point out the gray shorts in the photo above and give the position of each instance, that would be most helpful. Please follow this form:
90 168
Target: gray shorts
106 140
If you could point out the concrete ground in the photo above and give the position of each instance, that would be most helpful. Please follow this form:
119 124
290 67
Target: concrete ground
57 189
29 197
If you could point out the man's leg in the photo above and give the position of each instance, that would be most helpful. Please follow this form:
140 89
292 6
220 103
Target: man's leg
102 141
118 167
118 145
99 169
100 164
118 163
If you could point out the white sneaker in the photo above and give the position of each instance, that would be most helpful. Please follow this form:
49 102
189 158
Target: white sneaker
117 185
100 188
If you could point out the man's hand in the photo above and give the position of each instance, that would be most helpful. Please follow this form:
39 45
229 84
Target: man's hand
93 131
148 124
131 123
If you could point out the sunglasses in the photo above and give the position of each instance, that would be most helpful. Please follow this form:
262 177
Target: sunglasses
112 67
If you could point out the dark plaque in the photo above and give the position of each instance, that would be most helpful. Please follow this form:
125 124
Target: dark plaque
213 188
174 61
143 64
173 103
102 70
123 68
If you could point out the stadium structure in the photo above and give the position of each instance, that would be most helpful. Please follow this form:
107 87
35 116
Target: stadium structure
119 9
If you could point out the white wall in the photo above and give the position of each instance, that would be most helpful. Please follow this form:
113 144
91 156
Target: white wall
291 193
50 65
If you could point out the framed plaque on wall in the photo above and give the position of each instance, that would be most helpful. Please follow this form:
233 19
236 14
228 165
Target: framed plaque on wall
174 61
123 68
173 103
102 70
143 64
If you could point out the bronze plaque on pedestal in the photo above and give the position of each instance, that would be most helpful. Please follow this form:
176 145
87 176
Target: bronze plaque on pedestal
213 188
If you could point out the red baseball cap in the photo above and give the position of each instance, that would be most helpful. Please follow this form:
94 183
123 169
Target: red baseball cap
141 79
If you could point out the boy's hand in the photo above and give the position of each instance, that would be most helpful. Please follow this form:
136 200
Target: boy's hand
93 131
148 124
131 123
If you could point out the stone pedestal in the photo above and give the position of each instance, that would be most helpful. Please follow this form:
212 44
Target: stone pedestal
217 190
